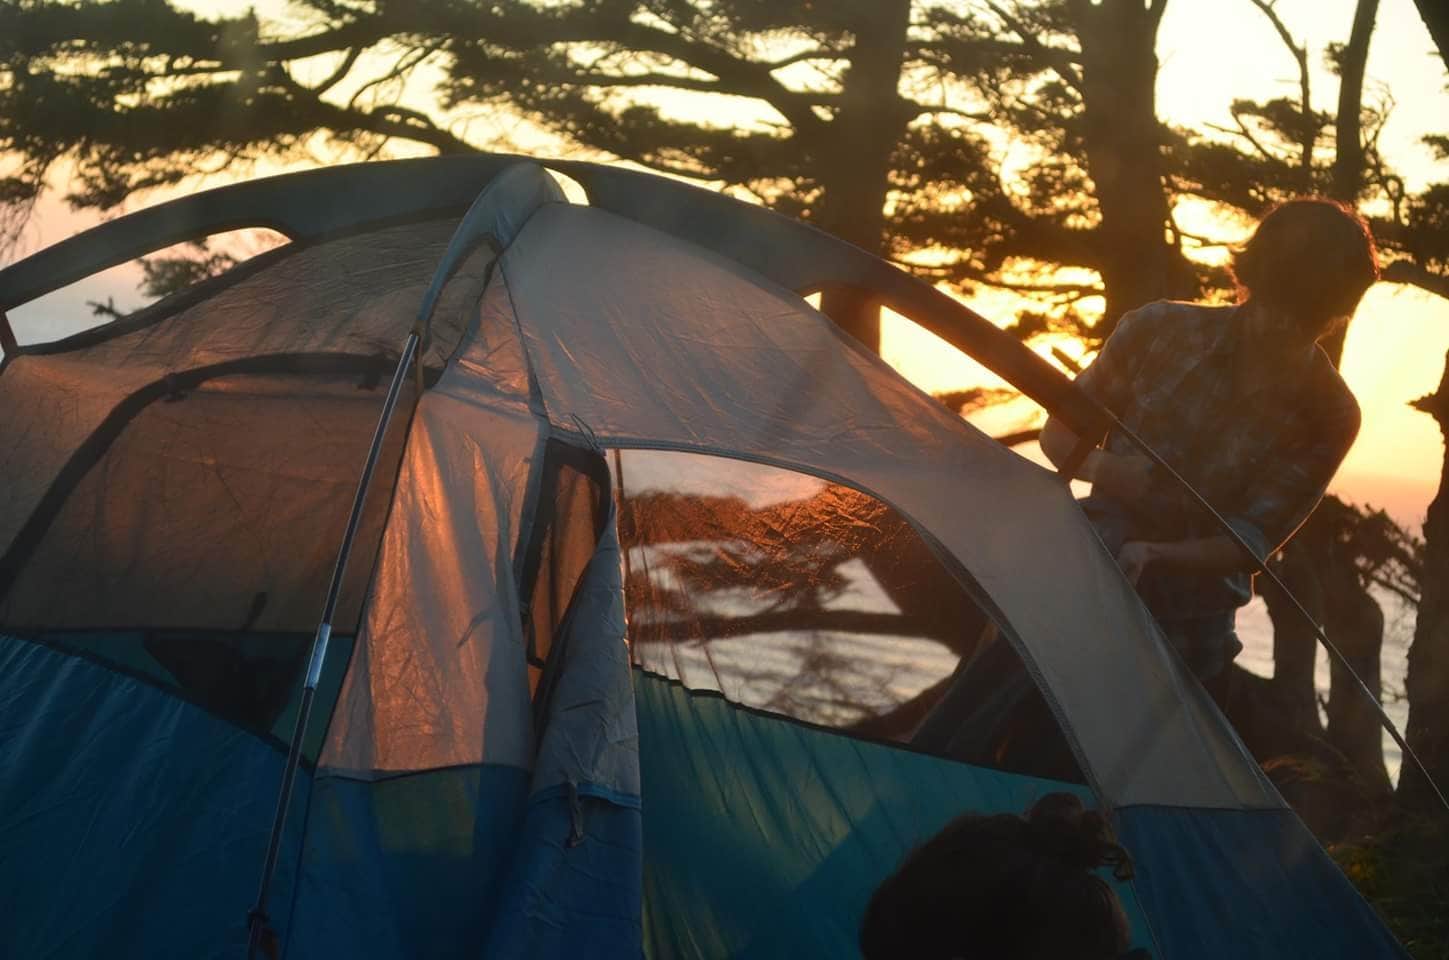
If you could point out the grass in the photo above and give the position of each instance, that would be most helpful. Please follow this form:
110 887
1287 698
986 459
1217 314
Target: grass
1403 871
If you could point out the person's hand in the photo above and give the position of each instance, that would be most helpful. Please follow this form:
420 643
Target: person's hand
1134 558
1125 476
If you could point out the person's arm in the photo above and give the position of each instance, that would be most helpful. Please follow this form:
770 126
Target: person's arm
1110 380
1210 556
1117 475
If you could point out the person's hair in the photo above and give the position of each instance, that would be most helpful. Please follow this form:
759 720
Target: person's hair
1310 260
1004 887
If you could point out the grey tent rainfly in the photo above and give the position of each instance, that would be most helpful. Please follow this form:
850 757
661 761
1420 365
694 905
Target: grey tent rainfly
654 576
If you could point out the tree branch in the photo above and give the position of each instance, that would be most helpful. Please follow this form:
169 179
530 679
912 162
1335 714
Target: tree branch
1406 271
1059 60
1247 134
814 53
927 110
1308 130
743 77
408 61
342 70
359 33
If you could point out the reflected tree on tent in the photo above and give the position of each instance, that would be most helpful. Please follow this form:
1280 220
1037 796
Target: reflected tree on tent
703 570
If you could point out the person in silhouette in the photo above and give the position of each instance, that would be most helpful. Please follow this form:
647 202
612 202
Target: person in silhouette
1005 887
1240 400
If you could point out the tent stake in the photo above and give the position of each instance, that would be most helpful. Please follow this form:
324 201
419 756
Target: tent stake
257 916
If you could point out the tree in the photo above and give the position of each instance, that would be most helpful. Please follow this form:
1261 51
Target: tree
1427 683
153 92
1280 148
1074 77
1323 562
854 112
1436 18
1078 89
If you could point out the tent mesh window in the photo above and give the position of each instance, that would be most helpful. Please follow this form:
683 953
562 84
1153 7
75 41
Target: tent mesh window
810 600
179 516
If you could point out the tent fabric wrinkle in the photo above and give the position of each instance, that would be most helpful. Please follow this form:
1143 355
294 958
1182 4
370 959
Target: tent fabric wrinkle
437 678
590 736
491 361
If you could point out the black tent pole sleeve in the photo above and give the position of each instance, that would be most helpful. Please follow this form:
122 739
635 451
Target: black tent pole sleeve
257 916
1078 456
8 346
1261 567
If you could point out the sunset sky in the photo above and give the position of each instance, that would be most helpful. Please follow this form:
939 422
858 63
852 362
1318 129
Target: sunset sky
1211 51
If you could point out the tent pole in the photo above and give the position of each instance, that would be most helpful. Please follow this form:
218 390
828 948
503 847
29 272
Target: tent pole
1260 566
475 227
257 917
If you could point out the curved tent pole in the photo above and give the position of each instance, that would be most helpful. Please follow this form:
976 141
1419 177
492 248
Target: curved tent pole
314 205
305 207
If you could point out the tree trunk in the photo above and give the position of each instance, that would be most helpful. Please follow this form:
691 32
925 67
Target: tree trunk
1356 627
1348 158
1295 646
1313 566
1428 681
1123 146
1349 154
864 134
1436 18
1354 622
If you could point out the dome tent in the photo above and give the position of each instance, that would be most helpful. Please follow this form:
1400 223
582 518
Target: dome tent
623 422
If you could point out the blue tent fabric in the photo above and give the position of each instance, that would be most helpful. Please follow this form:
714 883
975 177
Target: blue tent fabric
765 837
131 822
1246 884
133 652
575 877
141 819
574 888
406 866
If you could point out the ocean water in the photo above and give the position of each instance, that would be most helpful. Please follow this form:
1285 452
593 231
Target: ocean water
1256 632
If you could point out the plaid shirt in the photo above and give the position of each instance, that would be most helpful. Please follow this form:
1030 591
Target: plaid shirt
1262 451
